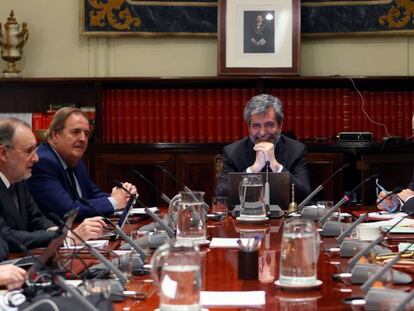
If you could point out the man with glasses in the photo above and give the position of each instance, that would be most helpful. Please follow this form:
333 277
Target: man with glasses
20 217
60 180
266 143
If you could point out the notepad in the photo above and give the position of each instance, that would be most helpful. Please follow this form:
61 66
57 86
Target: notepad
138 211
225 242
94 243
236 298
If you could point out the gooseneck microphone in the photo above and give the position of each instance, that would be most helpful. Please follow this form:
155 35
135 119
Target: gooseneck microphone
381 237
267 190
163 196
320 187
367 285
158 220
59 280
109 265
205 205
346 198
117 229
391 193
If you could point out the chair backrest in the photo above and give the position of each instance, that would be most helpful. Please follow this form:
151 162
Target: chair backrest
218 168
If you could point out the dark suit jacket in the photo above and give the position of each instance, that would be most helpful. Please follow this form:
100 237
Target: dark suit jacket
50 187
409 205
26 224
239 155
4 250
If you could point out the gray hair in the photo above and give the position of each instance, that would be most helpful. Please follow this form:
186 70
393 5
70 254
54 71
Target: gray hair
259 104
8 129
59 119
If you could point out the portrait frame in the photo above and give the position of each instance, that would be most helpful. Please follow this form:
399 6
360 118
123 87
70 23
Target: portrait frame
237 28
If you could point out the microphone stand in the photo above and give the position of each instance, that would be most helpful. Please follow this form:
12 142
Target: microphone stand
158 220
59 280
320 187
117 229
163 196
122 279
364 251
205 205
384 269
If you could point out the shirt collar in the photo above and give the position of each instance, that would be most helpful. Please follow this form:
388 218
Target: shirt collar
5 180
65 166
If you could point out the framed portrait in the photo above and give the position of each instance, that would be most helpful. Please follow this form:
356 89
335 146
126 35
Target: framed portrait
258 37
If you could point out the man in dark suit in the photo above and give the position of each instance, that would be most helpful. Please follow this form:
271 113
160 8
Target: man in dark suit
60 180
403 201
20 217
264 117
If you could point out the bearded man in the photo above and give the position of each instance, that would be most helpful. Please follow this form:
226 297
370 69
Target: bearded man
266 143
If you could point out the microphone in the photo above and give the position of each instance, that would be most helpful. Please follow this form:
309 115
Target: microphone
368 283
158 220
390 193
109 265
334 228
346 198
381 237
320 187
60 281
117 229
348 230
206 207
163 196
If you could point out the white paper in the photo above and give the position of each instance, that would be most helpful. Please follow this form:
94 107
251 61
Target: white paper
382 215
94 243
138 211
226 242
248 298
74 283
403 247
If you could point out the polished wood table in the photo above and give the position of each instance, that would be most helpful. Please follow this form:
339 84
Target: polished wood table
220 273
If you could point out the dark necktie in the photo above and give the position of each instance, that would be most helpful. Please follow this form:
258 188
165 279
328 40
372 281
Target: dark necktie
73 183
12 191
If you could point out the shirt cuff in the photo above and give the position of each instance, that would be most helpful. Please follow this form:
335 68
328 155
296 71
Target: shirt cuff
280 169
113 203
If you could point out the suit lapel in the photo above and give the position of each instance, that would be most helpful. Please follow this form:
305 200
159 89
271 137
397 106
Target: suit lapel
9 212
22 212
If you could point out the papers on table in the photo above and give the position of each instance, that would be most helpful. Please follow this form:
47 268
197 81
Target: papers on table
248 298
370 230
403 247
138 211
94 243
225 242
385 215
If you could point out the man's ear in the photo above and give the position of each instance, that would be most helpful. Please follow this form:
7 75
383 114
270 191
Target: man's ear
3 151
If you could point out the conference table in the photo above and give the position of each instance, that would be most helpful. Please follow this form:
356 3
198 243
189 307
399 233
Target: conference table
220 273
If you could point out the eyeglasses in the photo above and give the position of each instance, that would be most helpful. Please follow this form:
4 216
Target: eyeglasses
28 152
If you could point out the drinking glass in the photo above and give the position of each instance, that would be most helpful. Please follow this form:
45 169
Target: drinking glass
299 253
219 205
251 197
191 217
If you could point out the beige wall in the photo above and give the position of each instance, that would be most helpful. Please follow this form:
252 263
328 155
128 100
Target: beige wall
55 49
